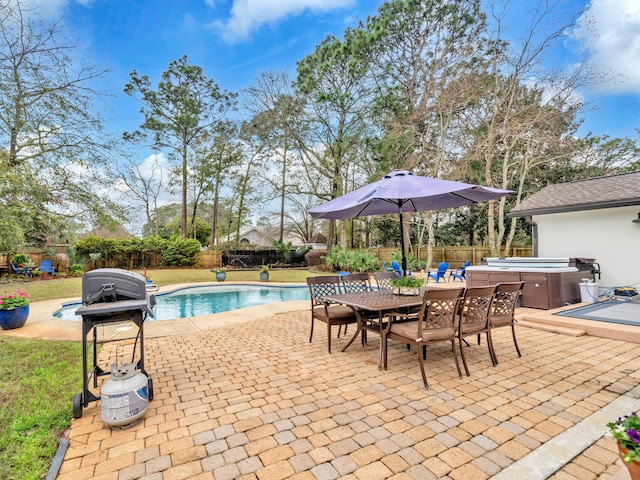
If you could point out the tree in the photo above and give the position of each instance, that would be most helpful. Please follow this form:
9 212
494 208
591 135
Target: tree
57 156
522 115
216 153
298 221
185 105
337 87
144 183
276 110
417 50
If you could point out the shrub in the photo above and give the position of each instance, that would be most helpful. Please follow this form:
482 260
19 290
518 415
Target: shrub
20 259
181 252
338 258
77 269
353 261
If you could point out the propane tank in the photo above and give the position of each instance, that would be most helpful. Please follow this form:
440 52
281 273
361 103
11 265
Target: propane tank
125 396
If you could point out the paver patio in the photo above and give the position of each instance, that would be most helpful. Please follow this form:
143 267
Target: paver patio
254 399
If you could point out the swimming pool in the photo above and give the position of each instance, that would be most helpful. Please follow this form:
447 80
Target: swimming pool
202 300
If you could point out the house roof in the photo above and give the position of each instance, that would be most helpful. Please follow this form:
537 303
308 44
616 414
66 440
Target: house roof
265 235
318 238
602 192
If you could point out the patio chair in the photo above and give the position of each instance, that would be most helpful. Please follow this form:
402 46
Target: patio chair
475 318
46 267
396 268
504 307
330 314
20 270
442 270
435 322
383 279
356 282
460 273
387 268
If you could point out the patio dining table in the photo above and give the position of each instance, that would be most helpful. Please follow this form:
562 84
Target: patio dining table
377 301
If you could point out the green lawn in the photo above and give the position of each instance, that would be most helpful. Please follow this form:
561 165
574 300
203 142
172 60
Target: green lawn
39 378
46 289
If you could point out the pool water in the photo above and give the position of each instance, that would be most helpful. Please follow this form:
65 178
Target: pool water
195 301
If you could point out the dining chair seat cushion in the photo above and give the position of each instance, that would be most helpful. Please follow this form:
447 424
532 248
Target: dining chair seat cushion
410 329
501 321
334 312
473 327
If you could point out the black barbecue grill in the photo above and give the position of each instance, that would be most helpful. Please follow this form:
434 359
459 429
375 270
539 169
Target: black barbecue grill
109 296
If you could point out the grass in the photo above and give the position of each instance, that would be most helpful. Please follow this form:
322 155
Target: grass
38 379
47 289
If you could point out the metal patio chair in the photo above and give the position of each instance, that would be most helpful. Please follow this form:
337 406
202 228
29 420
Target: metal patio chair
330 314
434 322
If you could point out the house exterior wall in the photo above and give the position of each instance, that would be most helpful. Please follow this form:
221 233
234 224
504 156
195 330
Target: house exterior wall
607 235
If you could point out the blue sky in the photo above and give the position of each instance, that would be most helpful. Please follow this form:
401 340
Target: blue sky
234 40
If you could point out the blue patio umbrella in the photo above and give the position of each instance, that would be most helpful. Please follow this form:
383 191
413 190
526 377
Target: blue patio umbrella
400 191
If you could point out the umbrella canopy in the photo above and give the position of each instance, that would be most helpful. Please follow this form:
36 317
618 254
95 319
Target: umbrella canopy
401 191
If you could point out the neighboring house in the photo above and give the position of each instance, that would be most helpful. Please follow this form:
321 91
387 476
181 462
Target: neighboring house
596 218
317 242
264 236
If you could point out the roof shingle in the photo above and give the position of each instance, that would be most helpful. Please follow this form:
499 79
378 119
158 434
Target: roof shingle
590 194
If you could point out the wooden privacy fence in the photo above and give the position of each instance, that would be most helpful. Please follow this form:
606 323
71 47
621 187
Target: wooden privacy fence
454 256
211 258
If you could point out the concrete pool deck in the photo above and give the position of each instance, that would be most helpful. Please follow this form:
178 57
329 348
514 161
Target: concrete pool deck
244 394
42 324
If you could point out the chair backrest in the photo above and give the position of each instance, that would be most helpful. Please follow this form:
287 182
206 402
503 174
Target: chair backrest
475 308
356 282
439 309
443 267
466 264
322 285
396 267
45 265
383 280
14 268
507 295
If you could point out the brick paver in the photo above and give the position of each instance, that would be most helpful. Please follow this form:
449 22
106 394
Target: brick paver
257 400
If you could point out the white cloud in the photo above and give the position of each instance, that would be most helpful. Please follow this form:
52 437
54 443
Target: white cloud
249 15
610 33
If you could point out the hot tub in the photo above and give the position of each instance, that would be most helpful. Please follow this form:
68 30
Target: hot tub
548 282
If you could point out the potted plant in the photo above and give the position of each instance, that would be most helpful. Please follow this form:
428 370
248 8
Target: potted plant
20 259
14 309
221 273
406 285
264 273
626 430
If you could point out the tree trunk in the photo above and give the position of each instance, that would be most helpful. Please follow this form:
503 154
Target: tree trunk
183 224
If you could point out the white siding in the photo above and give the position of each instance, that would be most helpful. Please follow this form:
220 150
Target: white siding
608 235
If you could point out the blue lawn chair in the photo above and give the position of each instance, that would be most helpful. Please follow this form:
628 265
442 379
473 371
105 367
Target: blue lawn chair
460 273
396 268
20 270
442 269
387 268
47 267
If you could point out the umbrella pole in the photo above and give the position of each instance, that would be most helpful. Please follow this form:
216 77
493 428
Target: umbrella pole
404 256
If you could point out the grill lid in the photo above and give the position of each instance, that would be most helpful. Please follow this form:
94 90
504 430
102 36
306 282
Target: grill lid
112 285
113 291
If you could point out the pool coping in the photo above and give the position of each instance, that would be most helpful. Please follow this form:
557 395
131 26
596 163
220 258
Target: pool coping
43 325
